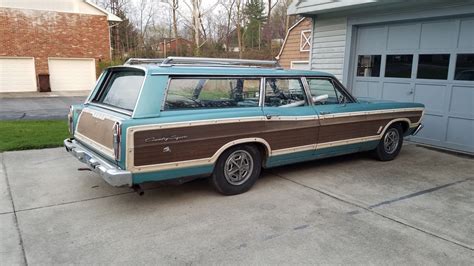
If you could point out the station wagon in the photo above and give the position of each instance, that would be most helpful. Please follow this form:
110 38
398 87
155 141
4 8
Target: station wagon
225 119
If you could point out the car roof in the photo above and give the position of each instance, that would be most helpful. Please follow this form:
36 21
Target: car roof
155 69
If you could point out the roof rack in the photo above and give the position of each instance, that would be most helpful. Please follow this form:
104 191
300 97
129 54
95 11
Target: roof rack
138 61
203 61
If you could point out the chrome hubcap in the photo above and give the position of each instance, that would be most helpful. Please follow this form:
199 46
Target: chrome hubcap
391 140
238 167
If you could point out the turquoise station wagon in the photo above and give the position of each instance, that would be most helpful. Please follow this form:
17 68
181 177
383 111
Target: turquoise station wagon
183 118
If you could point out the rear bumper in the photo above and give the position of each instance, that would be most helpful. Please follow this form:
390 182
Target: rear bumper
109 172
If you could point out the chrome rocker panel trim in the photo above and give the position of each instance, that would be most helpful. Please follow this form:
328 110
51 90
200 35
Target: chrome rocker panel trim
110 173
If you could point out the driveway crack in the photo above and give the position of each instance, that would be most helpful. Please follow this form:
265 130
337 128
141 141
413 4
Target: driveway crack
372 210
419 193
17 226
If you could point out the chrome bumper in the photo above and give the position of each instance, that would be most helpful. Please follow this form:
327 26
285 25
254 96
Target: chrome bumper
109 172
417 129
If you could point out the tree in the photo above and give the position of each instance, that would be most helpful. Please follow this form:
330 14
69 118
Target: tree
239 17
228 6
174 4
254 11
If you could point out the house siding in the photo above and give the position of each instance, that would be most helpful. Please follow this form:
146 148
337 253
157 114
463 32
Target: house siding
291 51
329 45
46 34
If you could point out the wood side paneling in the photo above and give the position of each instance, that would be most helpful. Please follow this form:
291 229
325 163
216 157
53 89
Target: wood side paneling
197 142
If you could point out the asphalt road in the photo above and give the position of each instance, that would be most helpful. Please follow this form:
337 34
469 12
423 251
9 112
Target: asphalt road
418 209
32 108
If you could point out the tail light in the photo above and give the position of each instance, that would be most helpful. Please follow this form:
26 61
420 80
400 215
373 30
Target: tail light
117 136
70 119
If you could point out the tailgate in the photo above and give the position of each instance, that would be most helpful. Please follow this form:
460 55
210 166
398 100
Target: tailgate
96 130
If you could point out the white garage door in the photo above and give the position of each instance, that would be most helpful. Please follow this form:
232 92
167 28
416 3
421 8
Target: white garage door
17 74
431 62
71 74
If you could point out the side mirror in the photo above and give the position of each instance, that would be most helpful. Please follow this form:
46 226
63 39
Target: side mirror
320 98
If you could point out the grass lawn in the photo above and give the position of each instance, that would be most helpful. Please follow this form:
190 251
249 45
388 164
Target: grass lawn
32 134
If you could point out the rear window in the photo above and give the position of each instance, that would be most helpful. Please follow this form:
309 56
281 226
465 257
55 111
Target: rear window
121 89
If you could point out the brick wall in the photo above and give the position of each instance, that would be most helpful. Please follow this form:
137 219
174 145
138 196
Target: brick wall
43 34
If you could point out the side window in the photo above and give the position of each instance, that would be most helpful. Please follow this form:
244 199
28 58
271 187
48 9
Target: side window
202 93
321 87
284 92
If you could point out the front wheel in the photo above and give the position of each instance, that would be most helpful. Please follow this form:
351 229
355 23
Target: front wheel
390 144
237 170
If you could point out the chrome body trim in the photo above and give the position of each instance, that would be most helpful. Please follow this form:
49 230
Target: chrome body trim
417 129
109 172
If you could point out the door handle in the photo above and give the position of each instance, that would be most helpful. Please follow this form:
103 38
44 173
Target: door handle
268 117
324 113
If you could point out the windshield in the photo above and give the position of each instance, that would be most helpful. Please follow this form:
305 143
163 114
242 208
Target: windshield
121 89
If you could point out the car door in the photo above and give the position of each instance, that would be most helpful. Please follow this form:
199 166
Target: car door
291 121
341 118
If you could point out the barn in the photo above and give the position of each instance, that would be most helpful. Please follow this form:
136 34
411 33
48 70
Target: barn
294 52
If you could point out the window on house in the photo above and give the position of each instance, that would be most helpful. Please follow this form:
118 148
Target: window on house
464 67
433 66
284 92
305 40
202 93
399 66
368 65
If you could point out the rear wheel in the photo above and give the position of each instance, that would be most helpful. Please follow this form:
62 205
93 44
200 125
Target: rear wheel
390 144
237 170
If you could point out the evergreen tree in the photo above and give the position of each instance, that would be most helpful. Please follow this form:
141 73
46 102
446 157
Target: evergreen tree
254 12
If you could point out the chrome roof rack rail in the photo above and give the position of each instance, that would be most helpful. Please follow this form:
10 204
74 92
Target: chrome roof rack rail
137 61
203 61
175 60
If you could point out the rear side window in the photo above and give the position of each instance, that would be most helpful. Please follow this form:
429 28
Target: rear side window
121 89
204 93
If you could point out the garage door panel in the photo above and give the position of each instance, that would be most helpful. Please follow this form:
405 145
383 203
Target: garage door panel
400 92
71 74
438 35
432 96
466 38
460 131
462 101
17 75
371 40
433 127
367 89
405 36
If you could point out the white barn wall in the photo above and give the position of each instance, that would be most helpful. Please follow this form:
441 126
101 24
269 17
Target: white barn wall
329 45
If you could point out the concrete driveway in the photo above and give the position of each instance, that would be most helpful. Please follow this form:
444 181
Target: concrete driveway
418 209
